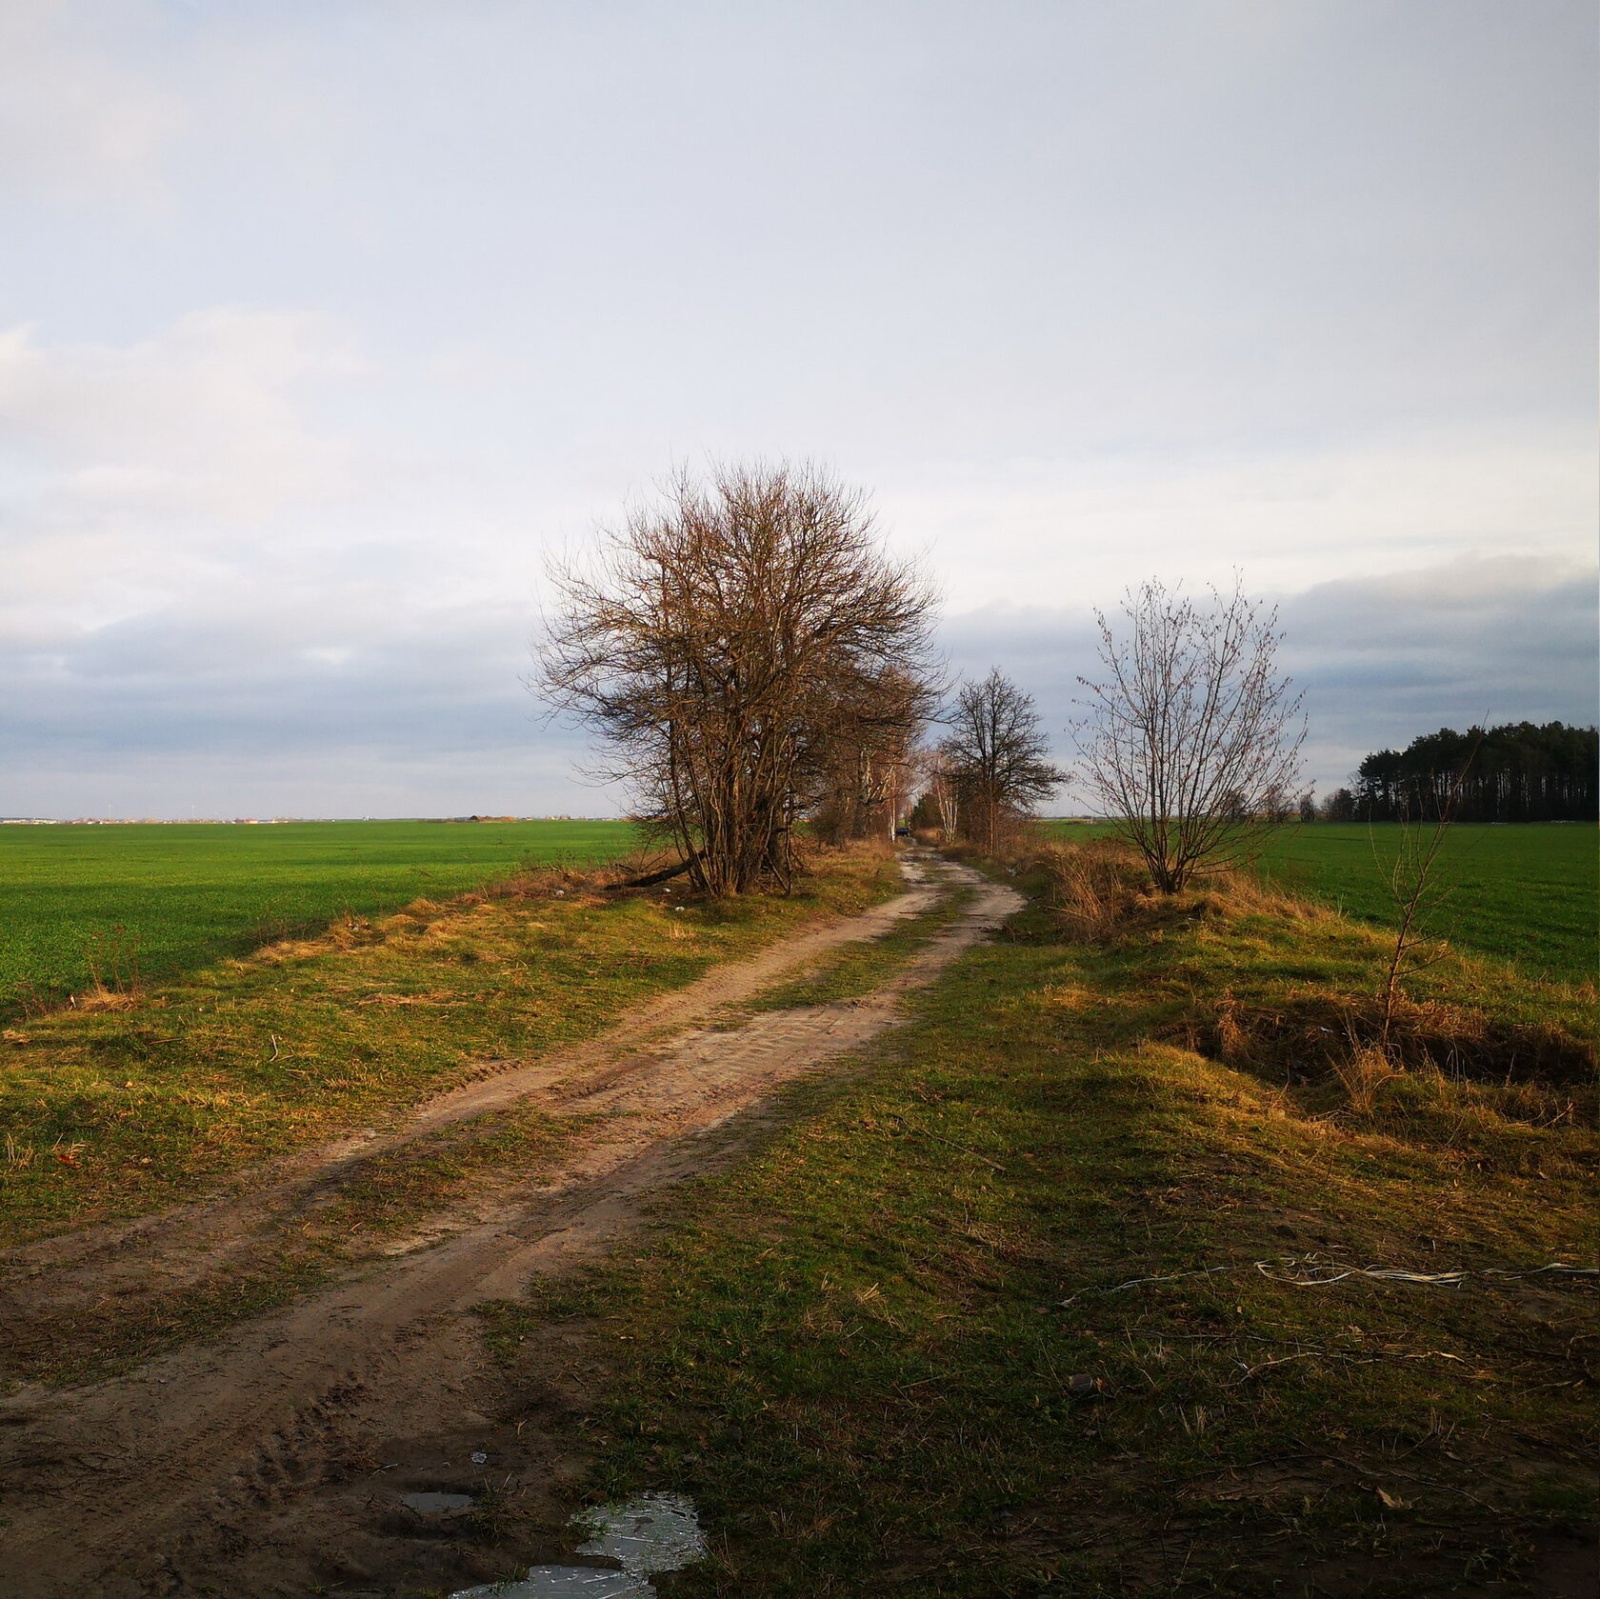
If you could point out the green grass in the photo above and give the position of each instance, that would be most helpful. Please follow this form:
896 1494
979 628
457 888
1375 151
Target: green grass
1525 893
152 901
857 1350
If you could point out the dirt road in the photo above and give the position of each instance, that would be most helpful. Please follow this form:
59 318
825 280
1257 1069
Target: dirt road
274 1461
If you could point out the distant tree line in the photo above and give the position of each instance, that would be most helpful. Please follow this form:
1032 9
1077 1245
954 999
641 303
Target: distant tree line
1519 772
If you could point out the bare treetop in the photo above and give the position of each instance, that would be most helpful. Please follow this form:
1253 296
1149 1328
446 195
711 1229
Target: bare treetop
1192 736
995 759
724 644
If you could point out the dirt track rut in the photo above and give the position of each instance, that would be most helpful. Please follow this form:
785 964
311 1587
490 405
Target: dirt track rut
270 1461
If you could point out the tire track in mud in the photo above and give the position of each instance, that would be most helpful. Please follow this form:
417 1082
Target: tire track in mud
230 1462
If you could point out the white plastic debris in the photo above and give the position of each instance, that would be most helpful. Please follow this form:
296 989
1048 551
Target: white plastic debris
479 1458
653 1532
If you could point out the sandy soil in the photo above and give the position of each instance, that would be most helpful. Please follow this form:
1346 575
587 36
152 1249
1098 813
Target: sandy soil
272 1461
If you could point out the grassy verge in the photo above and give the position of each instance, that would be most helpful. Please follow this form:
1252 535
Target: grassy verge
1023 1305
137 1100
1523 893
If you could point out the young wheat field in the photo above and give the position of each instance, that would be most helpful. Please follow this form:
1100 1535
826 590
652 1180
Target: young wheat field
126 903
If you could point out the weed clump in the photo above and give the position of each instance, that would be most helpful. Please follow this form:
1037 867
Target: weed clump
1094 890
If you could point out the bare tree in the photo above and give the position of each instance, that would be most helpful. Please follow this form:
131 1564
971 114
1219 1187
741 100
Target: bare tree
994 758
1192 735
725 645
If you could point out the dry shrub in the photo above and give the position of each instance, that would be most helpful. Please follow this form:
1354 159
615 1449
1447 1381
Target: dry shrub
1094 889
1233 1040
585 885
1231 893
105 999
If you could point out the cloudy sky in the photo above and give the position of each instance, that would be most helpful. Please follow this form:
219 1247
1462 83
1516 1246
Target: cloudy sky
323 323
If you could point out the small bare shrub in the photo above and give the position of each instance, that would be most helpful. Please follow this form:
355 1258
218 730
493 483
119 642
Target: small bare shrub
113 960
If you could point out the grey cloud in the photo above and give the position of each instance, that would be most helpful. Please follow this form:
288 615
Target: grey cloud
1384 659
1380 659
434 708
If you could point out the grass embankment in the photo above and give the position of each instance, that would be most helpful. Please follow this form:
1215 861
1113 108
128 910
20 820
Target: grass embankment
136 1100
1018 1307
135 901
1524 893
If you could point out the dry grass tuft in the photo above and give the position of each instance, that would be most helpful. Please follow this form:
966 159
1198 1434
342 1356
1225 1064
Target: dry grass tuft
1095 890
1363 1073
99 998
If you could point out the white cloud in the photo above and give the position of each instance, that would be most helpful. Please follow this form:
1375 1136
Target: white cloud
1070 530
77 123
139 476
200 418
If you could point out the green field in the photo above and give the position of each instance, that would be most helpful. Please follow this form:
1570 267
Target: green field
151 900
1524 893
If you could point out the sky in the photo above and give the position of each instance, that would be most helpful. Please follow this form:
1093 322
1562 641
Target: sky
325 326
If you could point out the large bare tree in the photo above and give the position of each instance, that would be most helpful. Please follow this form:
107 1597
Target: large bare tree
728 645
993 765
1192 735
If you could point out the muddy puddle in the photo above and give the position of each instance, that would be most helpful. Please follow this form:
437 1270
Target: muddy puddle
650 1533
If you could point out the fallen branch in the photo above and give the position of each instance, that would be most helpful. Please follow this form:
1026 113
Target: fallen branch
966 1149
1137 1281
1434 1279
650 879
